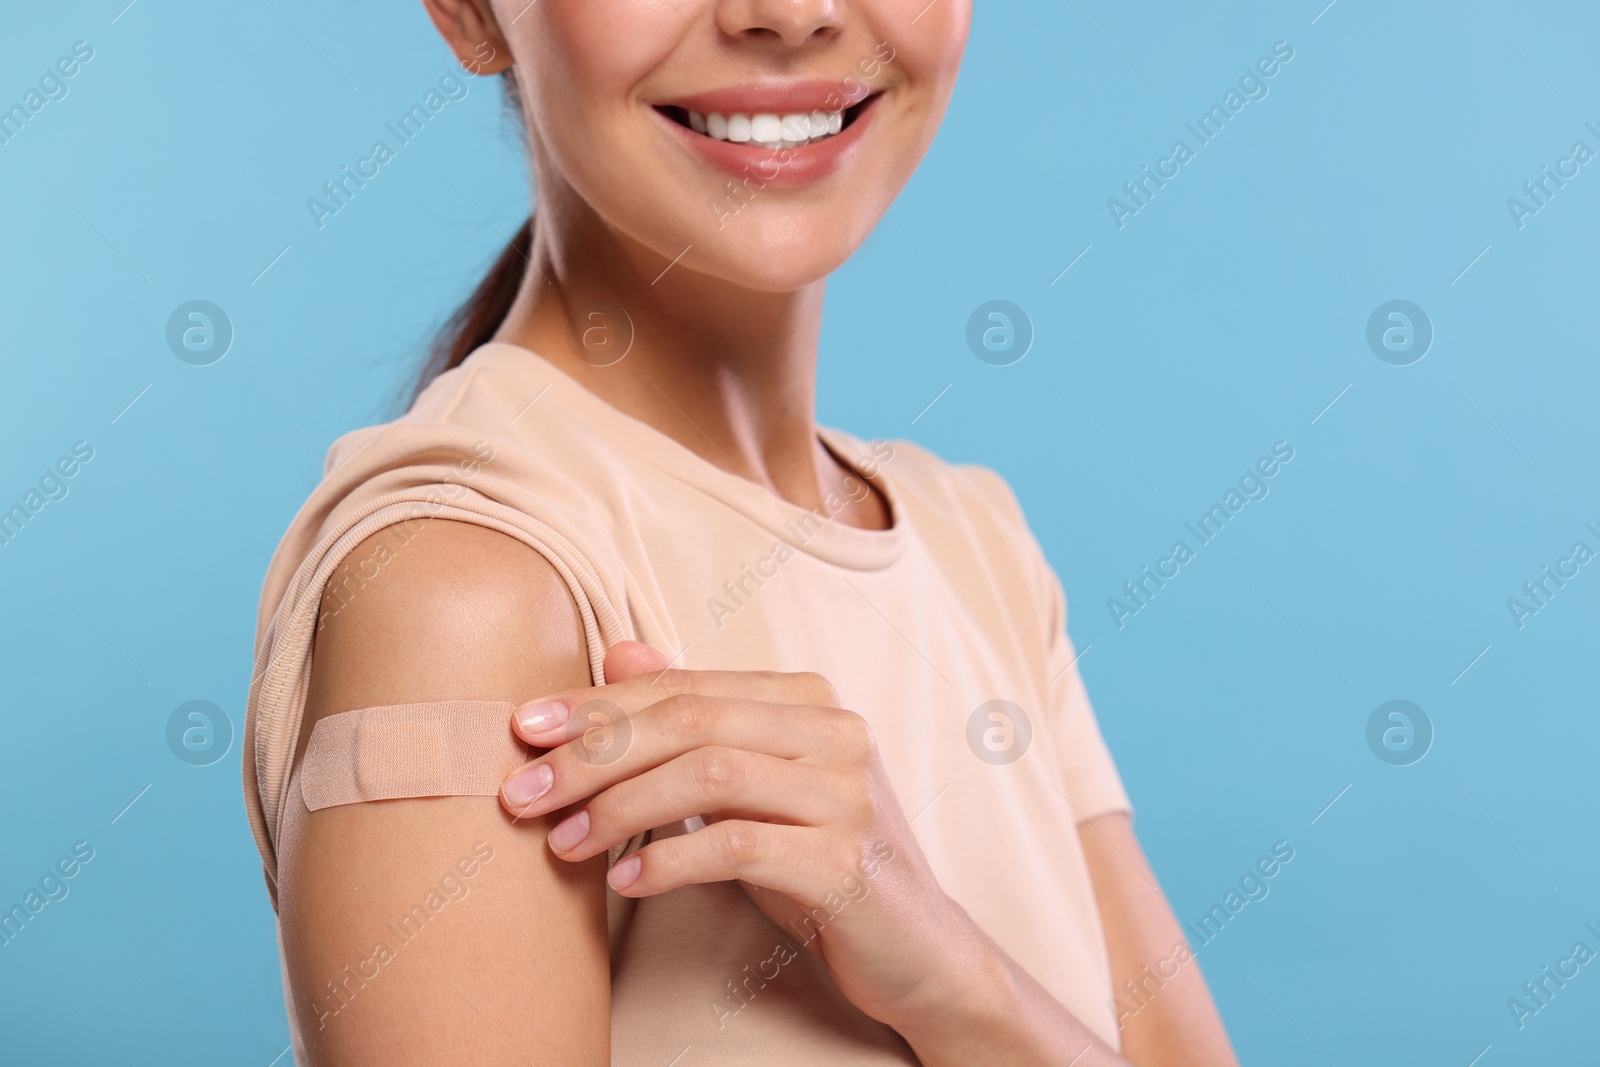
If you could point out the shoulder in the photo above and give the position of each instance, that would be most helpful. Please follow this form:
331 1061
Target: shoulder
443 610
439 575
972 522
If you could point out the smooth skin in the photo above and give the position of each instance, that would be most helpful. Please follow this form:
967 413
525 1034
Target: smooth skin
515 967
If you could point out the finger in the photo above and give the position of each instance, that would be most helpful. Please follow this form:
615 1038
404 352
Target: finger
617 747
629 659
551 720
791 860
538 721
723 782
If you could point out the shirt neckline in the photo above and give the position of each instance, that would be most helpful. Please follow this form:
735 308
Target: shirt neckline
814 533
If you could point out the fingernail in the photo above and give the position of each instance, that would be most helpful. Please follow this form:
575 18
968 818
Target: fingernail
525 787
535 719
625 873
540 716
570 832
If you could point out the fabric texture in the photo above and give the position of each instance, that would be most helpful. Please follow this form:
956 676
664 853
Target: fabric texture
946 632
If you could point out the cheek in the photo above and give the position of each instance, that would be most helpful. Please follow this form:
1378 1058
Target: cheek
580 61
922 59
930 48
586 54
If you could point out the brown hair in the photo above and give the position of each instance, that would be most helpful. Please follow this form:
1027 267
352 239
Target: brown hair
475 322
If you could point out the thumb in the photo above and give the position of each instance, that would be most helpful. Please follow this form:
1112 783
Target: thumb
630 659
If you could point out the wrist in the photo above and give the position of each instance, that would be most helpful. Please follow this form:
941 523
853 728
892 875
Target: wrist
976 1006
968 989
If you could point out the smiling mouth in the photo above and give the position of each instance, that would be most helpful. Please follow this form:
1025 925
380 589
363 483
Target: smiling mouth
769 130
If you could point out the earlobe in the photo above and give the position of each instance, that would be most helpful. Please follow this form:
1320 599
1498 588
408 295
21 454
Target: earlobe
486 57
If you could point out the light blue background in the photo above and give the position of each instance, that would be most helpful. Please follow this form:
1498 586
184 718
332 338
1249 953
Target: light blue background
1224 317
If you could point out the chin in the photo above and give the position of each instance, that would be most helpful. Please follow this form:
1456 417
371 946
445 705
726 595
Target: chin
776 253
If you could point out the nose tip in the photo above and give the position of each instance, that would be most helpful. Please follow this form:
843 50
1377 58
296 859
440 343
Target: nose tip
791 22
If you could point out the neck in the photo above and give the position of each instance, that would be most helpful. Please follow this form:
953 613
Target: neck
727 372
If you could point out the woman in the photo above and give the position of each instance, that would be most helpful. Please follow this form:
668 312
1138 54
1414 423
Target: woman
792 760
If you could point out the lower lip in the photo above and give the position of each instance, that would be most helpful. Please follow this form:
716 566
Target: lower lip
803 166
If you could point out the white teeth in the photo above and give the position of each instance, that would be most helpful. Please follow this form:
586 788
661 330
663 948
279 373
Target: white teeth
796 127
768 130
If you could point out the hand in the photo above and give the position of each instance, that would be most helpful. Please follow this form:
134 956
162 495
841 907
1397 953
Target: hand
797 805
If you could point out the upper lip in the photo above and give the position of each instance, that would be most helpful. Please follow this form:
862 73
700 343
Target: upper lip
774 98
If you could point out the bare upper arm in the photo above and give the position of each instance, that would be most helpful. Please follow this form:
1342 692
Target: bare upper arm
507 963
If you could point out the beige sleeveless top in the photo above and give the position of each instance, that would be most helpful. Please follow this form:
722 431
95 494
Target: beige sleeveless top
946 632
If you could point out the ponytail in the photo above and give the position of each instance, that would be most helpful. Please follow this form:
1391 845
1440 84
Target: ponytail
476 322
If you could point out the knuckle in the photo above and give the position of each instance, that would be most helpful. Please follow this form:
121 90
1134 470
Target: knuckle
861 734
842 860
689 714
719 772
741 843
832 727
816 689
673 681
774 686
852 736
